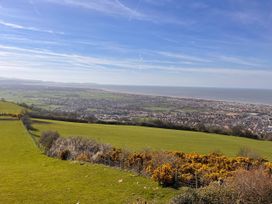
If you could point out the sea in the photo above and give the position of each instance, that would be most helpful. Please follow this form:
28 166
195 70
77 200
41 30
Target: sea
252 96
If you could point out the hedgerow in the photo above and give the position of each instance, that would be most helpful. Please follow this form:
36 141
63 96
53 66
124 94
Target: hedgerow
172 169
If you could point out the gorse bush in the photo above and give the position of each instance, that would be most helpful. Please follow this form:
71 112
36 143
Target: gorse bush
172 169
166 175
245 187
197 170
268 167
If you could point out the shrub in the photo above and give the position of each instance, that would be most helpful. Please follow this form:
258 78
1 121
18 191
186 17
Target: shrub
79 148
27 122
48 138
268 167
254 186
216 193
172 169
245 187
189 196
166 175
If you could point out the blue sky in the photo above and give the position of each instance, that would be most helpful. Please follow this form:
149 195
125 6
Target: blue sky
226 43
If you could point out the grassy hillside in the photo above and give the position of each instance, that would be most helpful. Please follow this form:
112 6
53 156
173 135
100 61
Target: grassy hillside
137 138
9 108
27 176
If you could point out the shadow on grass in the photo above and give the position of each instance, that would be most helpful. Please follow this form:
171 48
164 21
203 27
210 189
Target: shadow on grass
8 118
41 122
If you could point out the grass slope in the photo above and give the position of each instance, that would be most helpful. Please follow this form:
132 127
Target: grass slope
10 108
27 176
137 138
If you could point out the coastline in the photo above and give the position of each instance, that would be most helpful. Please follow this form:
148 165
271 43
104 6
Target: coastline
244 102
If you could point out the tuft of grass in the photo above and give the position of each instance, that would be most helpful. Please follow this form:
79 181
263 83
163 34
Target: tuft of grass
28 176
139 138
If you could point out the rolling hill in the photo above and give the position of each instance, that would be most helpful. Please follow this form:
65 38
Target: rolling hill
138 138
28 176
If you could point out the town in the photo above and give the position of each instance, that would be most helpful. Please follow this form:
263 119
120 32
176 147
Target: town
249 120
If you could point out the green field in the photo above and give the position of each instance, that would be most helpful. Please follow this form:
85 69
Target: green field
10 108
28 176
138 138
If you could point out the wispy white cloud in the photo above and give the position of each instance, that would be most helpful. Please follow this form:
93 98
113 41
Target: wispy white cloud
20 39
104 45
94 43
46 59
29 28
4 54
240 61
117 8
189 58
214 58
18 62
110 7
150 57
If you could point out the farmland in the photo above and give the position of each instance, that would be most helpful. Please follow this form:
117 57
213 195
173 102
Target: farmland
138 138
9 108
28 176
